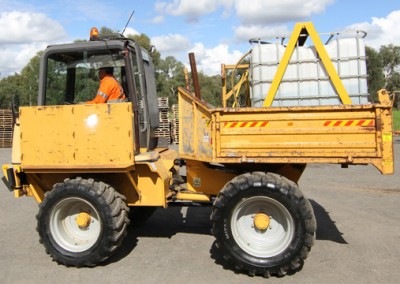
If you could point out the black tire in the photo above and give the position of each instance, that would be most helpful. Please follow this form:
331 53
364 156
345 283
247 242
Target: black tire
281 238
82 222
140 214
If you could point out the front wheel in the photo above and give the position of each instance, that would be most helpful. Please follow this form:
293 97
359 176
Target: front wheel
82 222
263 224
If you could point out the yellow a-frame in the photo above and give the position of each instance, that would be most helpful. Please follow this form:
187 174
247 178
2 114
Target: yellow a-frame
298 37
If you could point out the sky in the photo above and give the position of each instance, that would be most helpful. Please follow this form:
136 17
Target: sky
217 31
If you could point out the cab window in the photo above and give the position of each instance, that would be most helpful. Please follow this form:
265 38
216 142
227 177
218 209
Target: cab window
72 77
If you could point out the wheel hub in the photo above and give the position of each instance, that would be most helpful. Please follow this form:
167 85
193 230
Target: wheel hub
83 220
261 221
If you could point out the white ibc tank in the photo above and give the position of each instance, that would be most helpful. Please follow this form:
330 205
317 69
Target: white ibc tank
306 82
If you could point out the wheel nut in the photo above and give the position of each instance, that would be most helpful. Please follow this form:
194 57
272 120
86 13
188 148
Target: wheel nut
261 221
83 220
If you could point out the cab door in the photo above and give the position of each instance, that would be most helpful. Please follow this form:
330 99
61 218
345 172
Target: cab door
144 96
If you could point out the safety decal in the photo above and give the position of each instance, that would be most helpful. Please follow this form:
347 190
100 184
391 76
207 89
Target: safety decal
246 124
347 123
197 182
387 137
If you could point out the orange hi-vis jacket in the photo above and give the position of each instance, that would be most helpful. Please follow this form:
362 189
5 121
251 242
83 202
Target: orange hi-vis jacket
110 91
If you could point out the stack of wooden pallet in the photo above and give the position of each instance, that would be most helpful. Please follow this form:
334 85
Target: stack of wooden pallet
6 128
164 130
175 124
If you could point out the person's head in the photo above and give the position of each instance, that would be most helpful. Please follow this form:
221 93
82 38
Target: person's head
103 71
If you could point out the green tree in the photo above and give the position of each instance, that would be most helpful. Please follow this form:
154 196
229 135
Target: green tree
25 84
30 80
210 87
106 31
144 41
390 59
376 78
390 55
9 86
170 75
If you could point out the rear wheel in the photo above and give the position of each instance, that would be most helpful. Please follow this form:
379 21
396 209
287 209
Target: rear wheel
263 224
82 222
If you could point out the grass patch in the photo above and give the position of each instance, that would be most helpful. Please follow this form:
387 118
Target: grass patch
396 120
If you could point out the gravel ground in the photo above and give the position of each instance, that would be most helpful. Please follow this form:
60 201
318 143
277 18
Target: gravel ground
358 236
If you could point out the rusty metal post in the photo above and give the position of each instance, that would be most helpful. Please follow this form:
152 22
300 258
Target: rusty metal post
195 76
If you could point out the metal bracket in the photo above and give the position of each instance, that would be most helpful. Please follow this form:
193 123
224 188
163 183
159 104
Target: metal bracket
298 37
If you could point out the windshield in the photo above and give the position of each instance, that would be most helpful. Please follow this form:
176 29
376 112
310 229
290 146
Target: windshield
72 77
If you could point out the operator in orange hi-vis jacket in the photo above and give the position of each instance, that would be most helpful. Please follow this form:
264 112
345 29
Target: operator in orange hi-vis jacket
110 91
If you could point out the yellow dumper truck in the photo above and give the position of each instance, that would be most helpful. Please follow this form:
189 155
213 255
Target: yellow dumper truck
91 166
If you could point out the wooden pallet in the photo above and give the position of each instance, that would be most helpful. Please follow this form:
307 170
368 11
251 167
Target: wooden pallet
5 143
6 128
175 124
163 103
164 115
164 128
5 112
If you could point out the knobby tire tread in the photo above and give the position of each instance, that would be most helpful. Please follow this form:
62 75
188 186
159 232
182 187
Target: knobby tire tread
110 204
278 186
